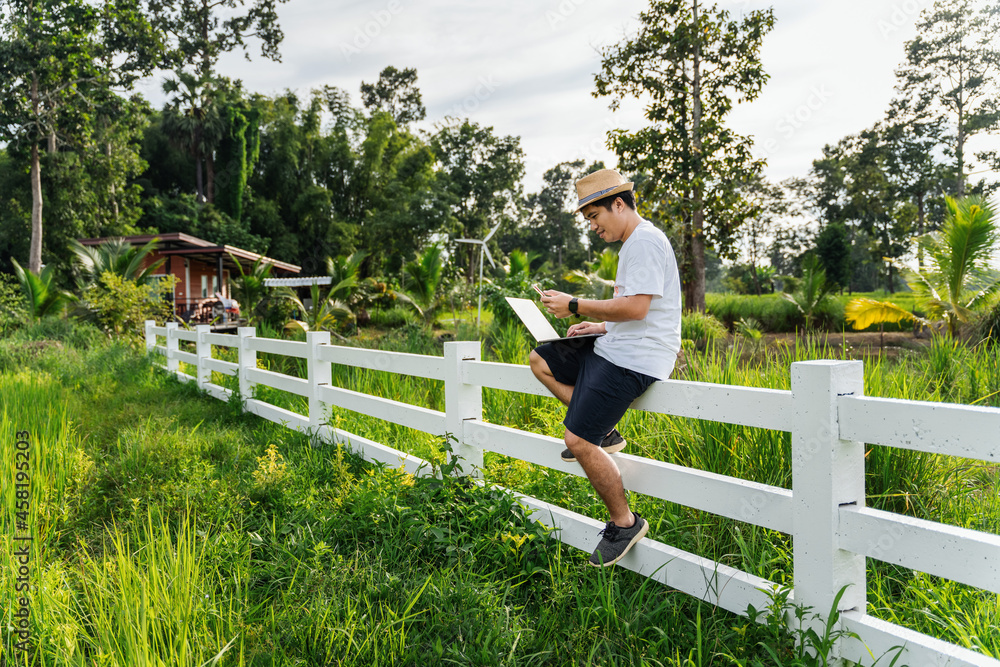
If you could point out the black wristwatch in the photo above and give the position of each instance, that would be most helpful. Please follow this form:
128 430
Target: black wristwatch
573 305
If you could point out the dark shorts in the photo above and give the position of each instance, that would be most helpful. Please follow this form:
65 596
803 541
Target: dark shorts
602 391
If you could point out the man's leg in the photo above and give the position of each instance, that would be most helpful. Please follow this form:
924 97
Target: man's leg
540 368
604 476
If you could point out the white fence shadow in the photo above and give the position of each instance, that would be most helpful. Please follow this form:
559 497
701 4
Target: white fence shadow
826 412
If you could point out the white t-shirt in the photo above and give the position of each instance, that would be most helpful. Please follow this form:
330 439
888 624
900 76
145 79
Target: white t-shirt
646 265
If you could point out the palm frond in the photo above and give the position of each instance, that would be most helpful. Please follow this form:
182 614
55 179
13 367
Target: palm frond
863 312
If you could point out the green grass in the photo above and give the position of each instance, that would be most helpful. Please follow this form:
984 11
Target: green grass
169 527
778 315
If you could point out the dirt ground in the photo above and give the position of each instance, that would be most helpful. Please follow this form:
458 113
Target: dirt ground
861 343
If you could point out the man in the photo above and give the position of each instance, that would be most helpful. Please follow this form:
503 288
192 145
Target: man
598 378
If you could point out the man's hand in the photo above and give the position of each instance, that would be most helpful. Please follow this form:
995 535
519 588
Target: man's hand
556 302
587 328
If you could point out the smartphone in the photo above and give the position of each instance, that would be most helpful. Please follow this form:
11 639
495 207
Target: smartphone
538 289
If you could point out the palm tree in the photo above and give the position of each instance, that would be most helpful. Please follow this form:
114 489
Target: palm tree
42 296
599 282
194 121
250 287
955 278
813 291
116 256
345 272
321 316
422 281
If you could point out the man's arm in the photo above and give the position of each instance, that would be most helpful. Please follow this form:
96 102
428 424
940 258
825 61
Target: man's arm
622 309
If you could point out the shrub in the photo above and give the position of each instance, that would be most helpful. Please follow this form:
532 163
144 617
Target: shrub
701 328
122 306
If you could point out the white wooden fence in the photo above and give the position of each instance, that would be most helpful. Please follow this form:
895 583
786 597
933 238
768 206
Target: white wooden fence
826 412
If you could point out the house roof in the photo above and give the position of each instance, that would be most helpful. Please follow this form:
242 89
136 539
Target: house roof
185 245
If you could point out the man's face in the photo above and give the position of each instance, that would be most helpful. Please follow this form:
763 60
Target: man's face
609 225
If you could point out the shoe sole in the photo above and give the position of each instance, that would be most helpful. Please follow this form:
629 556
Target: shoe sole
638 536
610 450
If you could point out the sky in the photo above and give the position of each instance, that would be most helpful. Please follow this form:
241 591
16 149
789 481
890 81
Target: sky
526 68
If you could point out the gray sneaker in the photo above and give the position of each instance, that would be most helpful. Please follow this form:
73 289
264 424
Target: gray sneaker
616 541
613 442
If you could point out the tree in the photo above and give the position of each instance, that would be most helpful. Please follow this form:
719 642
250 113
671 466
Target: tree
59 62
200 31
552 229
194 117
690 66
854 187
396 94
833 250
957 277
952 68
480 174
238 151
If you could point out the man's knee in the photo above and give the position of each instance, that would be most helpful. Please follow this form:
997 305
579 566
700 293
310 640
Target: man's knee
538 365
575 443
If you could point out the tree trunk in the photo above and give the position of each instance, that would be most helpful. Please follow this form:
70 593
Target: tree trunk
697 287
35 254
209 178
35 251
960 152
920 229
114 189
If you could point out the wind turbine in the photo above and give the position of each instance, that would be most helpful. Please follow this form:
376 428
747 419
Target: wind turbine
482 249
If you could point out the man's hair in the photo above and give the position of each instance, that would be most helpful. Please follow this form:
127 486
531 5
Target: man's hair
607 202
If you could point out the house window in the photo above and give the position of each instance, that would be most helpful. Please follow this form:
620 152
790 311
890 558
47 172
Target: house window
204 286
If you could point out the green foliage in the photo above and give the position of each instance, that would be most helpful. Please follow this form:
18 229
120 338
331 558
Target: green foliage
122 306
480 176
251 291
689 64
41 296
239 148
13 305
324 312
115 256
396 94
598 282
182 213
423 281
702 328
833 249
748 279
957 277
814 291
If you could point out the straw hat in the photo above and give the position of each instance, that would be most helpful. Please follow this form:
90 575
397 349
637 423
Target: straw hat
600 184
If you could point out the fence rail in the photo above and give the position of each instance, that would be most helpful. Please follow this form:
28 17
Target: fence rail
826 413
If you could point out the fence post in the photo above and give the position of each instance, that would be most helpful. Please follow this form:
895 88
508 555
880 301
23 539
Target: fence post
203 350
247 360
827 472
463 402
319 374
150 336
173 363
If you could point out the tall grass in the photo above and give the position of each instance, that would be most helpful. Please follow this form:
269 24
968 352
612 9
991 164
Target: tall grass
294 554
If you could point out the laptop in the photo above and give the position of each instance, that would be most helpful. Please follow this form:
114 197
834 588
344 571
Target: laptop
538 326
